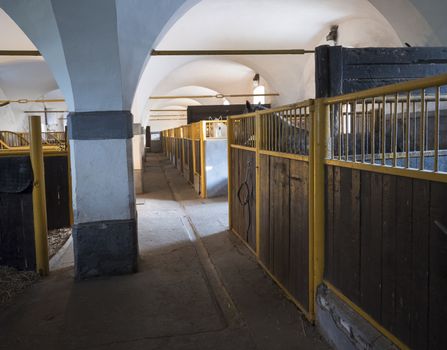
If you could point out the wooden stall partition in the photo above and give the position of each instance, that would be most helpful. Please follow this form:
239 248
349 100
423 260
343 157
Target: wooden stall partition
385 228
269 159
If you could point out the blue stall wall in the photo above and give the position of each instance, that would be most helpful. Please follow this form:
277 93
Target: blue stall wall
216 162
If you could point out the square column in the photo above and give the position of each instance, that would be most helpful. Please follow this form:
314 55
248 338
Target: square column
105 220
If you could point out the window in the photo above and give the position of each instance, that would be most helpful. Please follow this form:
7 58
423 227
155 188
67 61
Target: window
260 90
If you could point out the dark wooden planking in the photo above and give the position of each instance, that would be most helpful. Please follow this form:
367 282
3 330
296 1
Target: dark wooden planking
388 306
251 237
438 267
420 265
349 233
265 211
279 217
404 199
299 231
234 185
398 56
198 113
373 72
343 70
371 243
57 192
338 243
17 230
329 226
246 224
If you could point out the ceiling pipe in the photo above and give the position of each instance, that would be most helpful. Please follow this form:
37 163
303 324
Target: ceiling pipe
229 52
48 111
24 101
19 53
210 96
168 110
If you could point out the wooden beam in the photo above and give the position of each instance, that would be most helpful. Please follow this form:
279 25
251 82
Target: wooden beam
229 52
19 53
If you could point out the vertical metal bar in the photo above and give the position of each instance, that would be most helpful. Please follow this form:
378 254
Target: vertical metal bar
346 132
354 131
39 197
276 132
422 131
332 128
258 132
408 130
394 138
230 168
300 133
287 114
340 112
383 130
363 129
414 126
436 136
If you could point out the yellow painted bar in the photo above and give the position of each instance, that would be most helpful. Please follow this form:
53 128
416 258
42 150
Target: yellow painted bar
285 155
381 169
202 159
244 148
39 200
320 137
258 139
367 317
229 142
311 217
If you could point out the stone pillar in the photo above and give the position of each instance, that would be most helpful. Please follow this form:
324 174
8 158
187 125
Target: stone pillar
105 221
138 154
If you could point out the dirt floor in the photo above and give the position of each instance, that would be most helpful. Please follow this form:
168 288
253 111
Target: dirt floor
13 282
56 239
198 288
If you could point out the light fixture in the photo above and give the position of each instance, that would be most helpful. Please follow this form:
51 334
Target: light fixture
256 80
333 34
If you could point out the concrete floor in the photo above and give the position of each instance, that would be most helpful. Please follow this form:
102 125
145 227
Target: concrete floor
198 288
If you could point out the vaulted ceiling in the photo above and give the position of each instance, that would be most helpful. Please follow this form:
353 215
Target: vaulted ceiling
230 24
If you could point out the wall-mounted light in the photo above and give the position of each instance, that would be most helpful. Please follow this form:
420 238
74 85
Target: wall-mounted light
333 34
256 80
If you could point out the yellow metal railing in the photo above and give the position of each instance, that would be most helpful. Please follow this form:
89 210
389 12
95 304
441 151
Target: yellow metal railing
16 141
174 146
284 132
398 129
394 129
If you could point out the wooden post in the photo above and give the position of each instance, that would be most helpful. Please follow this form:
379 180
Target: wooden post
39 199
258 133
318 154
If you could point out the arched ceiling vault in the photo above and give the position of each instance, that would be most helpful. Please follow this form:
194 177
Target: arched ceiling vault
99 64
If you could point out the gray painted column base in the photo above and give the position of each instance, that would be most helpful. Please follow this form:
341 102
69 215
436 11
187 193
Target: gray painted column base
105 248
344 328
